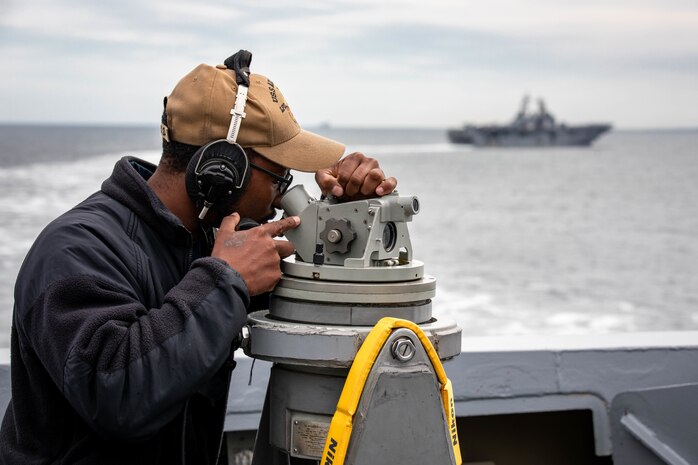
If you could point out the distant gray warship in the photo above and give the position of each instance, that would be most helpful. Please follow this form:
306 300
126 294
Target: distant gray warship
528 130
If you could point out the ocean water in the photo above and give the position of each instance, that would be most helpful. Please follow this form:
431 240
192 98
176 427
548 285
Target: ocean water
521 241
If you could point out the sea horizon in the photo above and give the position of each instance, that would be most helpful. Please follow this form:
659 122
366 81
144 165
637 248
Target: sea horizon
328 125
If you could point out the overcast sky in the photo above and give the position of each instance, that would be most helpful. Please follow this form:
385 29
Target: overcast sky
432 63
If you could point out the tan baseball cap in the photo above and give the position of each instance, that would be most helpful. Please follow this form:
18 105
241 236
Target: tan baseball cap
198 112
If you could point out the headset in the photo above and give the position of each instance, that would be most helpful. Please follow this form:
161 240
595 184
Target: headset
219 171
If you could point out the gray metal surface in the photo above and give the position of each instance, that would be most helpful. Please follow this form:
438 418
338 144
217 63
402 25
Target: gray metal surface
381 274
354 292
346 314
510 375
522 374
498 375
656 426
371 230
401 405
331 346
353 267
314 395
400 416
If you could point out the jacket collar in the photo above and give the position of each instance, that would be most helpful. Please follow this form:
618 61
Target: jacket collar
128 185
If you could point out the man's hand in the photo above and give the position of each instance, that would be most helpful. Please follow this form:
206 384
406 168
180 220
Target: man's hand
355 177
254 253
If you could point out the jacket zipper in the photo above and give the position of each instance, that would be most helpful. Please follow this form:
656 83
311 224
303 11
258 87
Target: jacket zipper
184 433
187 264
190 253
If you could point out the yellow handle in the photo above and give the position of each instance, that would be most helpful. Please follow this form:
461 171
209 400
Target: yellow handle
342 422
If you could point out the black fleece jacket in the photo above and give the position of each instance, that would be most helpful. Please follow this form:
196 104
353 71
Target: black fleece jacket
121 339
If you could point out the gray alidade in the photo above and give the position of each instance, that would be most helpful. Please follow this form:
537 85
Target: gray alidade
361 234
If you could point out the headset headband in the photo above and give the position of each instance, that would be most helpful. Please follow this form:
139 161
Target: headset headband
240 63
218 172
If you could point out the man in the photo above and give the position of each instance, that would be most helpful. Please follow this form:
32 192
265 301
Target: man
126 312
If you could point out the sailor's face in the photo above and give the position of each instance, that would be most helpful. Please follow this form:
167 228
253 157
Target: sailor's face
262 197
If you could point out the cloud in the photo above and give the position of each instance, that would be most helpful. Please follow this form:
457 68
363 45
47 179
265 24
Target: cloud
388 51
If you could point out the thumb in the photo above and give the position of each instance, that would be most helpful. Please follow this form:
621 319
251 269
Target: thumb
230 222
284 248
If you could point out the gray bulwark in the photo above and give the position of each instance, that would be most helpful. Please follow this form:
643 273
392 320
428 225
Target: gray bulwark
524 374
656 426
501 375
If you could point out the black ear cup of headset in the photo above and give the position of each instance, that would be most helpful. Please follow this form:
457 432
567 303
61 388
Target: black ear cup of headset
217 175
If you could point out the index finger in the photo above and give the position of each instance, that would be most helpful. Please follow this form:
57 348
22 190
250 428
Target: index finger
278 228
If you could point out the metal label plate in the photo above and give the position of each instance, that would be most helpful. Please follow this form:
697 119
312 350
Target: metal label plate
308 435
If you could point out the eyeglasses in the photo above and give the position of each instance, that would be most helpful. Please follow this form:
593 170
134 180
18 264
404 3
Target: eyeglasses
282 181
